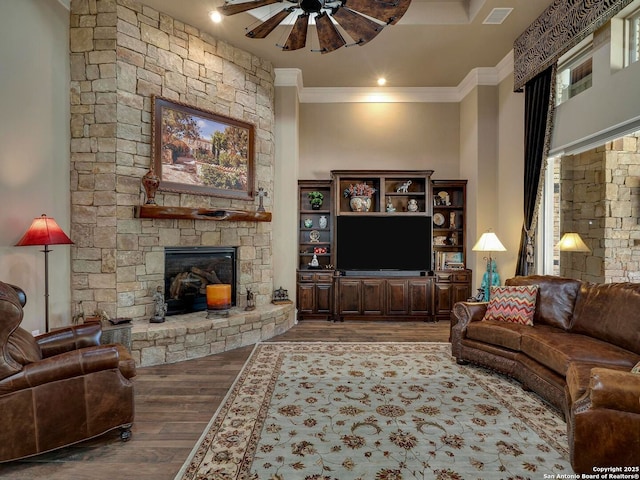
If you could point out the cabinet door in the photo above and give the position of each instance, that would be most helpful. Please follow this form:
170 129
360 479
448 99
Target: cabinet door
443 298
349 296
306 298
420 296
397 297
460 293
373 296
324 293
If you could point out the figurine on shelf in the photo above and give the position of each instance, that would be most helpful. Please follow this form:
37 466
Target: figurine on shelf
404 188
390 207
412 206
150 183
251 301
314 262
160 307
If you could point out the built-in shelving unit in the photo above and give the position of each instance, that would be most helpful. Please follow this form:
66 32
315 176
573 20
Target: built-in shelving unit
426 291
315 239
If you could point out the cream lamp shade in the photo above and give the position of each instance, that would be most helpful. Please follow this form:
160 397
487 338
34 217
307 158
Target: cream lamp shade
489 242
571 242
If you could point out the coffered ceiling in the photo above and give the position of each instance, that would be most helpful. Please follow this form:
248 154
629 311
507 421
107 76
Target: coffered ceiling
436 44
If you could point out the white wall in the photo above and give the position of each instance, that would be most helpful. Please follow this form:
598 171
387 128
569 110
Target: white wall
607 110
34 158
384 136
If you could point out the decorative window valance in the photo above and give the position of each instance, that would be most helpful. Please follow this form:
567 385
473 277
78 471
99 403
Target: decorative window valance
560 27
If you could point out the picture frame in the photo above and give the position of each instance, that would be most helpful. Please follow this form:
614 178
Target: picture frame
200 152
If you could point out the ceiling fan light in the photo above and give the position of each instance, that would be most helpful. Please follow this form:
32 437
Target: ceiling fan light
215 16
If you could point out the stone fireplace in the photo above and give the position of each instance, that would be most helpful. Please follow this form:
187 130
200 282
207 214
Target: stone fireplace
188 271
122 54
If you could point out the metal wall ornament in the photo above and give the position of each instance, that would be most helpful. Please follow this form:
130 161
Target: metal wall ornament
362 20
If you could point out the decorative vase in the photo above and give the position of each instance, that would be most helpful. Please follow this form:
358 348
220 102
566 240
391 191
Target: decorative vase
151 182
322 222
360 204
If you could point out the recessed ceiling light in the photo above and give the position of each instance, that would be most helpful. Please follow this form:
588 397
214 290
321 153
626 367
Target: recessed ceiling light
382 81
215 16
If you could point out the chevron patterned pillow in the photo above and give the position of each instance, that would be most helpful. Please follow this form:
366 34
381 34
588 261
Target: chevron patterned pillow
515 304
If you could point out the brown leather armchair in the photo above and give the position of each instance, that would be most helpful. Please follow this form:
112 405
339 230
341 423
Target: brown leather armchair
58 388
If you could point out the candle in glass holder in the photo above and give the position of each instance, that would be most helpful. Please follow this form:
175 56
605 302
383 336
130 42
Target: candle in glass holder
219 297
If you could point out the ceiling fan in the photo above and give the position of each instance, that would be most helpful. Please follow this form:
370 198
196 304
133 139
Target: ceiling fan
362 20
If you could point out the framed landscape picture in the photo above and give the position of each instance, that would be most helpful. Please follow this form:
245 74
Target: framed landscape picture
200 152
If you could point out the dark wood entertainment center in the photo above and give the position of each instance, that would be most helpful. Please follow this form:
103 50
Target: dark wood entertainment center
408 260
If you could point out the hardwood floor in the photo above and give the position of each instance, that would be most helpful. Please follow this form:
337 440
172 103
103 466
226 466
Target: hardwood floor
175 402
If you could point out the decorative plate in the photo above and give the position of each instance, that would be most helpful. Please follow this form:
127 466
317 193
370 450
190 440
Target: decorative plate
438 219
314 235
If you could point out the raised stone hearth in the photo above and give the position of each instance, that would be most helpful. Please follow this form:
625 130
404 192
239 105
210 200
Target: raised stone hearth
183 337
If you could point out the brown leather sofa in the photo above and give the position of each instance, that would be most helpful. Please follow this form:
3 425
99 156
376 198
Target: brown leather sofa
58 388
578 356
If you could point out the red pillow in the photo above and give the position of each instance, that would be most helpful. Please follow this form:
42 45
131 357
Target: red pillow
515 304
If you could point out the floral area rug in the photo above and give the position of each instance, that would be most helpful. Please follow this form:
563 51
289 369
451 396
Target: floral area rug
376 411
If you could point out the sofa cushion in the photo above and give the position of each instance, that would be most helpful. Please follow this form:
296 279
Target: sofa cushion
515 304
556 298
609 311
579 376
23 347
495 332
502 334
557 351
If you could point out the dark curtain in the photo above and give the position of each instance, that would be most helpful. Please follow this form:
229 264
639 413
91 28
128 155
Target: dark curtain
538 115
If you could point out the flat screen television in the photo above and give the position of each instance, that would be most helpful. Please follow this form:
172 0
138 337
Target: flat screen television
376 243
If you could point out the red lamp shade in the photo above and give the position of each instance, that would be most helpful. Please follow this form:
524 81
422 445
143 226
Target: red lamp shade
44 231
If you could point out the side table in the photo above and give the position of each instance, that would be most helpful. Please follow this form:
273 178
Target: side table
120 333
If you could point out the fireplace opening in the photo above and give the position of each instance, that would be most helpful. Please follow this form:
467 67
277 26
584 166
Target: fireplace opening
188 271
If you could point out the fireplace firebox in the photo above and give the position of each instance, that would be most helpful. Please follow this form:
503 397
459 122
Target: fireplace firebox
188 271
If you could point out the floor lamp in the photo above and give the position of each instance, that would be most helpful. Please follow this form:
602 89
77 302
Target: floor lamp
488 242
572 242
44 231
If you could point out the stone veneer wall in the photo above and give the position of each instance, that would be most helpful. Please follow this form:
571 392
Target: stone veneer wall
601 201
123 53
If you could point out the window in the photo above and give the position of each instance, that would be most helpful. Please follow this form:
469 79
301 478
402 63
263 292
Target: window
548 261
574 72
632 31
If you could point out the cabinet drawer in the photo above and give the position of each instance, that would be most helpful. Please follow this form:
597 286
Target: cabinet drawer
305 277
316 277
324 277
445 277
461 277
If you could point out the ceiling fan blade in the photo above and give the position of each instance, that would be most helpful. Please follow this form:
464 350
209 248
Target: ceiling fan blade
298 36
388 12
233 8
266 27
361 29
328 35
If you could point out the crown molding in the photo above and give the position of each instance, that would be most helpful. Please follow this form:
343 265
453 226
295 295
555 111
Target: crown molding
488 76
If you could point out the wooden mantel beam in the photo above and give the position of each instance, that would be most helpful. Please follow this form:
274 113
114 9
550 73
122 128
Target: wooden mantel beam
187 213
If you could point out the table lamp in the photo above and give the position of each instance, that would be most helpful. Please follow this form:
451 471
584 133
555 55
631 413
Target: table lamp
489 242
44 231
